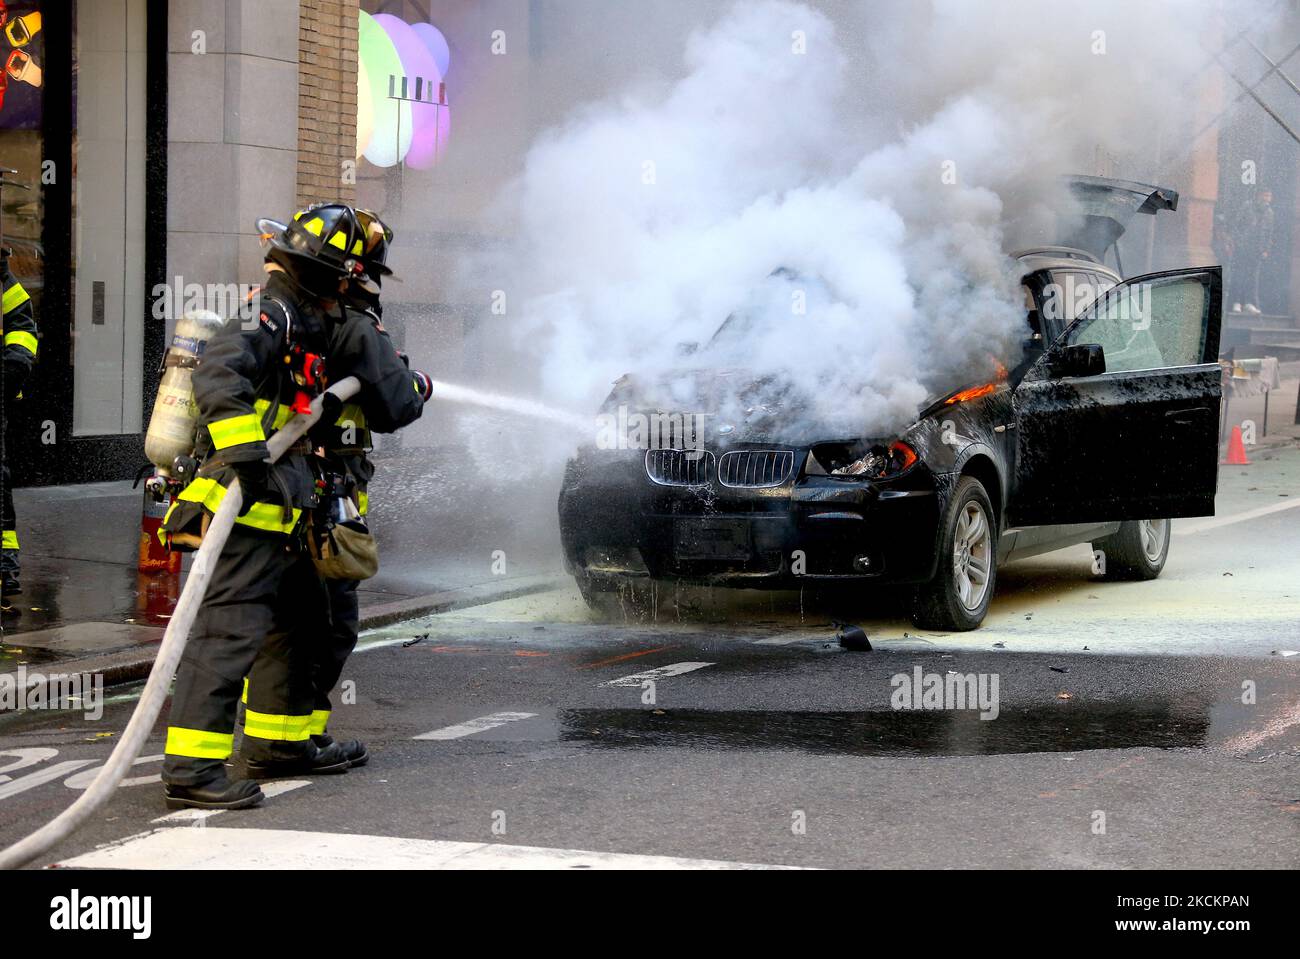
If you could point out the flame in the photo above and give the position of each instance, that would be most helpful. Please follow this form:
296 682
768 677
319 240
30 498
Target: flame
974 393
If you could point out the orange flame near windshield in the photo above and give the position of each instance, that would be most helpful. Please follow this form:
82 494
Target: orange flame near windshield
974 393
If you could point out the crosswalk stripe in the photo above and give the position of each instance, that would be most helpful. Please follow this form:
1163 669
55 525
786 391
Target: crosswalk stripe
662 672
472 726
1182 528
269 790
245 849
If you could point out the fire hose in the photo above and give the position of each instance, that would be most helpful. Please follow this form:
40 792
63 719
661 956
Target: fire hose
169 653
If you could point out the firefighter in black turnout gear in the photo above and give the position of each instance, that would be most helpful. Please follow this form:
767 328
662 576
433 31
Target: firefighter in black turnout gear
20 347
392 396
264 597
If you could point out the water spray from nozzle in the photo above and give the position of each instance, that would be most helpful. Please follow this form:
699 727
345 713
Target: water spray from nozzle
451 393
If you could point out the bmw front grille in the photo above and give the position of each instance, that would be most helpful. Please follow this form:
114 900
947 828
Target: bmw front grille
755 469
679 467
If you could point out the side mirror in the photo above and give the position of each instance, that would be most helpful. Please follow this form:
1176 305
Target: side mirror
1081 359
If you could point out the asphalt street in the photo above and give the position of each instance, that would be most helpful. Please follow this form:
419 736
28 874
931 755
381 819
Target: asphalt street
1137 725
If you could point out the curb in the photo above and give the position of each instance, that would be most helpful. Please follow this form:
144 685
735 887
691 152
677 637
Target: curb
130 665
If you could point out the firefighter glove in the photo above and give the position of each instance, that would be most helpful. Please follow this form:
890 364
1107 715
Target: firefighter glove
253 476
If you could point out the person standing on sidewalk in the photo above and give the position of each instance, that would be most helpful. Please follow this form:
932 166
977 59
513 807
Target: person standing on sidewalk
20 347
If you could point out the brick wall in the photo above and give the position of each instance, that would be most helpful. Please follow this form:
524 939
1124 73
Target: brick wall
327 99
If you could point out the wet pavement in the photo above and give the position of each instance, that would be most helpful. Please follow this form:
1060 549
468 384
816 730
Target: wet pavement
81 543
1137 725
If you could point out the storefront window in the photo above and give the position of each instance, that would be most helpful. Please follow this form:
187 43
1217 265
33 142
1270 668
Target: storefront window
22 49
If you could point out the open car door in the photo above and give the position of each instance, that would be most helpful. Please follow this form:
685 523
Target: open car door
1119 420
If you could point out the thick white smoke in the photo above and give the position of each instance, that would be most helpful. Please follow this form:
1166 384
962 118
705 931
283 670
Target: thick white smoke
889 154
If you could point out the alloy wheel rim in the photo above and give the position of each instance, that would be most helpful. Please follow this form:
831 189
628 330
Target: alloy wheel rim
1154 533
972 556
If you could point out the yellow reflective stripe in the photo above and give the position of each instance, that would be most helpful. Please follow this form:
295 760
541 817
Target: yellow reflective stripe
15 296
339 240
265 516
24 339
282 413
319 720
199 743
244 698
314 226
290 729
10 539
357 248
236 430
352 415
363 503
269 517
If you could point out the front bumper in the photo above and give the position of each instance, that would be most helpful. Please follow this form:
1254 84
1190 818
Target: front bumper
615 524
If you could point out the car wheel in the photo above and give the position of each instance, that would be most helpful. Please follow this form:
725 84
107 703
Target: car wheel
958 596
615 599
1138 550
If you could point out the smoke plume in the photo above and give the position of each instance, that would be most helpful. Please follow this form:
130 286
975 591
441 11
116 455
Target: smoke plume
883 156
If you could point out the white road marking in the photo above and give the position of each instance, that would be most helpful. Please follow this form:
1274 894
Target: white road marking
676 669
269 790
39 778
83 779
285 849
1182 528
469 728
1275 727
782 640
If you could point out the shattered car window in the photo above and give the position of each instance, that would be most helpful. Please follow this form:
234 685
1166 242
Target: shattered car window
1149 326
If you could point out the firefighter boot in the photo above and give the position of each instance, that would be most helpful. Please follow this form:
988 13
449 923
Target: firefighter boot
9 585
219 793
315 761
354 749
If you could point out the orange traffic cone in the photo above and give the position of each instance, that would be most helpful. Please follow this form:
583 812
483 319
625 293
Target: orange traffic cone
1236 450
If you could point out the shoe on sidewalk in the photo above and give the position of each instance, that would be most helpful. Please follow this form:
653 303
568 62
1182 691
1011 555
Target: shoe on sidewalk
218 794
1253 309
318 762
1236 308
354 749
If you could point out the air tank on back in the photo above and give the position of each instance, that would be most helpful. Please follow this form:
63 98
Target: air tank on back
175 415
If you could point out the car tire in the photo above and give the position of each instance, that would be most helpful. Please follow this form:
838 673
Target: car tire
615 600
1136 551
955 600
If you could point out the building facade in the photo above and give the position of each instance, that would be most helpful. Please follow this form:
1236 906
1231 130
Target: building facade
153 133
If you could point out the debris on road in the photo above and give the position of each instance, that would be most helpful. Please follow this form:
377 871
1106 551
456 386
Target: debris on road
852 638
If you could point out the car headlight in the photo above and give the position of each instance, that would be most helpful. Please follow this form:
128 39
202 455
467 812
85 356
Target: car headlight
874 461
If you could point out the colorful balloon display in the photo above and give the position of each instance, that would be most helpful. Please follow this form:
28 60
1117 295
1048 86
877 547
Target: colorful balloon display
392 129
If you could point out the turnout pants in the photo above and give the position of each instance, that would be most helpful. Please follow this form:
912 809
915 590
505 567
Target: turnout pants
263 610
332 652
9 533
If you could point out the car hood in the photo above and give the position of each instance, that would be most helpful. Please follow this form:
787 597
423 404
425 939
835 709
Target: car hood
737 406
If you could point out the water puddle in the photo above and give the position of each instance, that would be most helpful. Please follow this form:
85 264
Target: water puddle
1063 728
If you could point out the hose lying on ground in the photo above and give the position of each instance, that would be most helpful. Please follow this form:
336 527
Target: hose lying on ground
169 654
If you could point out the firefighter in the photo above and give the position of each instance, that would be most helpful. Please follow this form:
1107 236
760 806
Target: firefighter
387 402
20 346
264 596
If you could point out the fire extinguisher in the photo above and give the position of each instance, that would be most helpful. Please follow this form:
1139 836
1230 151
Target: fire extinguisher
154 557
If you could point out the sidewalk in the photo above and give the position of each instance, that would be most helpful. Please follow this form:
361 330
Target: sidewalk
1281 428
85 607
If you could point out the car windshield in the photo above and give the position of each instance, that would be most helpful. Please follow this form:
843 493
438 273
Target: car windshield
767 312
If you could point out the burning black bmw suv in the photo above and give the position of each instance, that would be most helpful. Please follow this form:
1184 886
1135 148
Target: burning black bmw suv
1103 433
